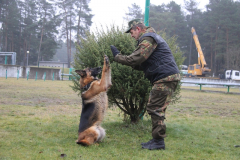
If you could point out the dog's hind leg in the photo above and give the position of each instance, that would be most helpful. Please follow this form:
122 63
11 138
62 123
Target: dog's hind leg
88 137
89 140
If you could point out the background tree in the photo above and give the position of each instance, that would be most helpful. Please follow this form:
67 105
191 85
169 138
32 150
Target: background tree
67 14
33 25
29 29
28 25
9 33
84 18
76 16
234 57
222 17
194 18
130 89
48 22
134 12
170 18
217 29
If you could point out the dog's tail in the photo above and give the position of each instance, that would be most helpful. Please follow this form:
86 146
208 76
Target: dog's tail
101 133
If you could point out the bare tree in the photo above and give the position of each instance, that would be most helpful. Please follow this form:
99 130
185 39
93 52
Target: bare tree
234 58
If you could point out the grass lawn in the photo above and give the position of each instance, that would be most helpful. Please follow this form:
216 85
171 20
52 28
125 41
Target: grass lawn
39 120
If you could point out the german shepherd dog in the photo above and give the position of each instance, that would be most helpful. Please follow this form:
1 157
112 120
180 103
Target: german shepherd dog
94 102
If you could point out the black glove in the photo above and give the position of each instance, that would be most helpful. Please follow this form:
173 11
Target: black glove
115 51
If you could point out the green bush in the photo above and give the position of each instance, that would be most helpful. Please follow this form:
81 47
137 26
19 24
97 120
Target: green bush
130 90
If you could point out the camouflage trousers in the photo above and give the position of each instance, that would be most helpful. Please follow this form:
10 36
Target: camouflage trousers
159 99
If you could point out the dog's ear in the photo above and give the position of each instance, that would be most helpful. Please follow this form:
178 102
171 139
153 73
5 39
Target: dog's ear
95 71
82 73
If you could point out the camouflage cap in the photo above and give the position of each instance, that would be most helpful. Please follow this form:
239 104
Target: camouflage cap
133 23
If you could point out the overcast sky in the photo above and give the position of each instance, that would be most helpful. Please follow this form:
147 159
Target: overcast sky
107 12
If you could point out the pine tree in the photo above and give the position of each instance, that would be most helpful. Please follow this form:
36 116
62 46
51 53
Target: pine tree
84 18
48 24
9 16
134 12
222 17
170 18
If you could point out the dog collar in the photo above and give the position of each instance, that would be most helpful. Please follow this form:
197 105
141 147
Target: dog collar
86 87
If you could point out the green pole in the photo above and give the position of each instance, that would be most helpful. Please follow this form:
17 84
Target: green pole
36 76
70 72
27 75
146 22
44 76
6 74
62 71
141 115
228 88
5 60
146 16
17 74
53 76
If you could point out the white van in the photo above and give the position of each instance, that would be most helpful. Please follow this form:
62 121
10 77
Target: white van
232 74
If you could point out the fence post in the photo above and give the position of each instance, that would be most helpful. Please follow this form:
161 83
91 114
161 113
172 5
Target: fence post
27 75
17 74
228 88
44 76
36 76
70 72
6 74
5 60
53 76
62 71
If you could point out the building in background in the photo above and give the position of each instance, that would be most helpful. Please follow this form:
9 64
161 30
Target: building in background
53 64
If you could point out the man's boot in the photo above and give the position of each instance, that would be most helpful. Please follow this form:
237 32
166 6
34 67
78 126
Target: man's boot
154 144
146 143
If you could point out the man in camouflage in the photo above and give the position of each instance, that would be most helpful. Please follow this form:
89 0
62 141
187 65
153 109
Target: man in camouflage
154 57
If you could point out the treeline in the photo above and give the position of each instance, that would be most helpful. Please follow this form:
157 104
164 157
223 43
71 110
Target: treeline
38 26
217 27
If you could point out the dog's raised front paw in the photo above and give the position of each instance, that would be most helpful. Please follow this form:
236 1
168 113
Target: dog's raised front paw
106 59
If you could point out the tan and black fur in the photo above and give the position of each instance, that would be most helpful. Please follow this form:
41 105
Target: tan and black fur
95 102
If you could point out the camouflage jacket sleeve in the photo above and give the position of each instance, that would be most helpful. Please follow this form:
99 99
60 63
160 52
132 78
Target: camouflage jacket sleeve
139 55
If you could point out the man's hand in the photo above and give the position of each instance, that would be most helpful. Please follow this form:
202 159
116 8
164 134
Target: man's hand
114 50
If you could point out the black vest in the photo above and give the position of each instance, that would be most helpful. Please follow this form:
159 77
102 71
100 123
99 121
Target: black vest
160 63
